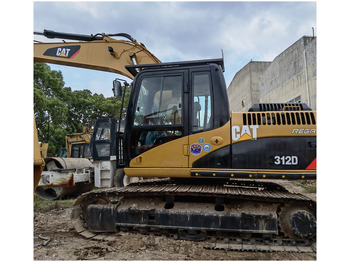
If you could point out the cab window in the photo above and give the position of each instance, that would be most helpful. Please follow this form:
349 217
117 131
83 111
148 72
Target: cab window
202 105
159 101
158 114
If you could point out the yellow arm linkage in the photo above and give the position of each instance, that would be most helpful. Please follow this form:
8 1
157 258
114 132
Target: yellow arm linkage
104 54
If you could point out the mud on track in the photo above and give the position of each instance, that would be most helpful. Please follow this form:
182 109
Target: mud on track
54 229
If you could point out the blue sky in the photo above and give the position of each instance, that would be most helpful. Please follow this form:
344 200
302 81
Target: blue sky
179 31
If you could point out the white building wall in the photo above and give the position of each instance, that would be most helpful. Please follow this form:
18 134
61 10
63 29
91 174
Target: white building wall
292 74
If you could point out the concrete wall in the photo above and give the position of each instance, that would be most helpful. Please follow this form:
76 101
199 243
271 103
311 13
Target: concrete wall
291 74
243 90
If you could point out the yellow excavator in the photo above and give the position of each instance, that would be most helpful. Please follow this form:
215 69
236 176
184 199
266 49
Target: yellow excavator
77 144
212 169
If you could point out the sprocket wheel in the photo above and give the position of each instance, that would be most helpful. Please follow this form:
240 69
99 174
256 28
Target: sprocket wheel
298 222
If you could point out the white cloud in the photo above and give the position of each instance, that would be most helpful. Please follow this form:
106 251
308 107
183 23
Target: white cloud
257 34
189 30
90 9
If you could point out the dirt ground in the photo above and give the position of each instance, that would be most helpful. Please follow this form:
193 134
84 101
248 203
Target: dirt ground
55 239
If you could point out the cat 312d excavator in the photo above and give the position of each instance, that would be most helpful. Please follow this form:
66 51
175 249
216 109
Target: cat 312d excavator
211 169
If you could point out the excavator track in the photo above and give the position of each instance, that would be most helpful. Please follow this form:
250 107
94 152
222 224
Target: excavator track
235 215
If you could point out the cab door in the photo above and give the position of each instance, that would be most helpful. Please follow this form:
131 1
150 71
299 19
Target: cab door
159 122
201 114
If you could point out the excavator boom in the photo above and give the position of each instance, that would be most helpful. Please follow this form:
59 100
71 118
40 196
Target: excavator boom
97 52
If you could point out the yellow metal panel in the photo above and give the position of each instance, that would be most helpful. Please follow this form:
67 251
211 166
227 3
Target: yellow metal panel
95 55
43 149
170 154
209 141
38 161
242 132
175 157
177 153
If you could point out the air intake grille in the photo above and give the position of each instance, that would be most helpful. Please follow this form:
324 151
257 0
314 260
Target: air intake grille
263 107
279 118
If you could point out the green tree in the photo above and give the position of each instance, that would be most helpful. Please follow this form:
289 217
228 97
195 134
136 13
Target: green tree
60 111
49 109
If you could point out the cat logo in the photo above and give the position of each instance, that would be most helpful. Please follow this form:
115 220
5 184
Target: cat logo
63 52
246 133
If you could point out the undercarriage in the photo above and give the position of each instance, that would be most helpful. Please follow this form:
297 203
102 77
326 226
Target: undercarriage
233 215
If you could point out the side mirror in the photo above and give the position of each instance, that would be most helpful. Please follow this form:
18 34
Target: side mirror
117 88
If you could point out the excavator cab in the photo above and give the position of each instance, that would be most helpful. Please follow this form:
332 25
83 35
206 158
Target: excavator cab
168 103
174 100
80 150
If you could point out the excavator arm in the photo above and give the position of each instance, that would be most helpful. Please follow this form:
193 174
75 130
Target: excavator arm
97 52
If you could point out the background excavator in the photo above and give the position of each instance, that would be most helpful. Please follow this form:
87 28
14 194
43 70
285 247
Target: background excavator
212 169
74 175
77 144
